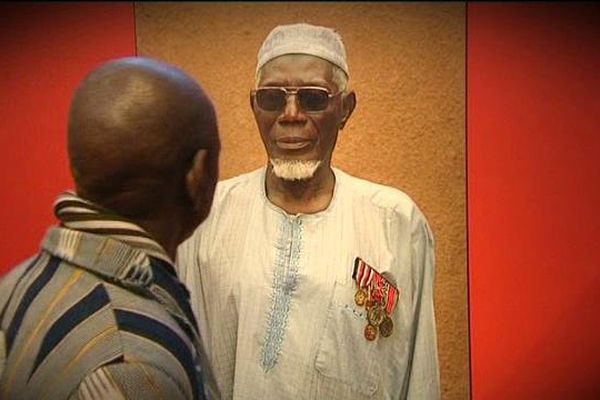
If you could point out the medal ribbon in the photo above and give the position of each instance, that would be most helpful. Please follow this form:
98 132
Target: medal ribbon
378 287
382 291
392 299
363 274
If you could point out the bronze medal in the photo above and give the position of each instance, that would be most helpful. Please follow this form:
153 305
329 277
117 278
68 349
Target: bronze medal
386 327
360 297
370 332
375 315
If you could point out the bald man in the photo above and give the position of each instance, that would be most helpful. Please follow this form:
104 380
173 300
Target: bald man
99 312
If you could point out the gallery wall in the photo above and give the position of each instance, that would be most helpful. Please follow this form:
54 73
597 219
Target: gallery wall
517 83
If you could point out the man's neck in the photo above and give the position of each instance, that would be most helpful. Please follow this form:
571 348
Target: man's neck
166 236
307 196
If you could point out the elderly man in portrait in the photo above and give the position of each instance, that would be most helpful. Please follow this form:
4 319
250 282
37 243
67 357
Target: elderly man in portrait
309 283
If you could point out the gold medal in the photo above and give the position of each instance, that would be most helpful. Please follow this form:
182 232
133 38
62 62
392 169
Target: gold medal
370 332
375 315
386 326
360 297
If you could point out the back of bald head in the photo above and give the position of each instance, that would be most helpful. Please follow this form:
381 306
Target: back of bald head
135 125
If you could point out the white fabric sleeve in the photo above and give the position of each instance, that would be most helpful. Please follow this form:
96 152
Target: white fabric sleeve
189 268
424 382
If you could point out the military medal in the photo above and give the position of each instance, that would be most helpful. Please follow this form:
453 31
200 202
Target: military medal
375 315
370 332
360 297
386 326
378 296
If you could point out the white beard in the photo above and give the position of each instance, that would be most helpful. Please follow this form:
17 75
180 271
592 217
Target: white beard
294 170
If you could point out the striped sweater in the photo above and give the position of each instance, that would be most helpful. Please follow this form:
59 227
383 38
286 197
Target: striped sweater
97 313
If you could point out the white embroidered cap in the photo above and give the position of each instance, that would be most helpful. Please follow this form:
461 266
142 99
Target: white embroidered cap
303 38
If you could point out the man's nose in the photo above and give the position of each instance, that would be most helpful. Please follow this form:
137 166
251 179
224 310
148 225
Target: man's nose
292 111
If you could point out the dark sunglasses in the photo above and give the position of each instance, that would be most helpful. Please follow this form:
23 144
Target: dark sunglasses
310 98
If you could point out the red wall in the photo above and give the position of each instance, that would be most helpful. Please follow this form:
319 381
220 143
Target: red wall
533 198
45 51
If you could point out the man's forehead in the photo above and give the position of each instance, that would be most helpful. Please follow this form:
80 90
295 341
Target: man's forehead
297 67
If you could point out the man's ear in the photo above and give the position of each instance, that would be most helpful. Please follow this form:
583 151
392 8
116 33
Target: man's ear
348 105
196 175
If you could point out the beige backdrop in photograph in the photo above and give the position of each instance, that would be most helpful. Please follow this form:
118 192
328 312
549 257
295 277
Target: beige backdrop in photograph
407 66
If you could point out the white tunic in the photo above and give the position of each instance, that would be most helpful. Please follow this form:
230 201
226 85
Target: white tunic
274 294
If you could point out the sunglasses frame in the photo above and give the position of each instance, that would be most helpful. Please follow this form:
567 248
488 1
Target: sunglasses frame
293 90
